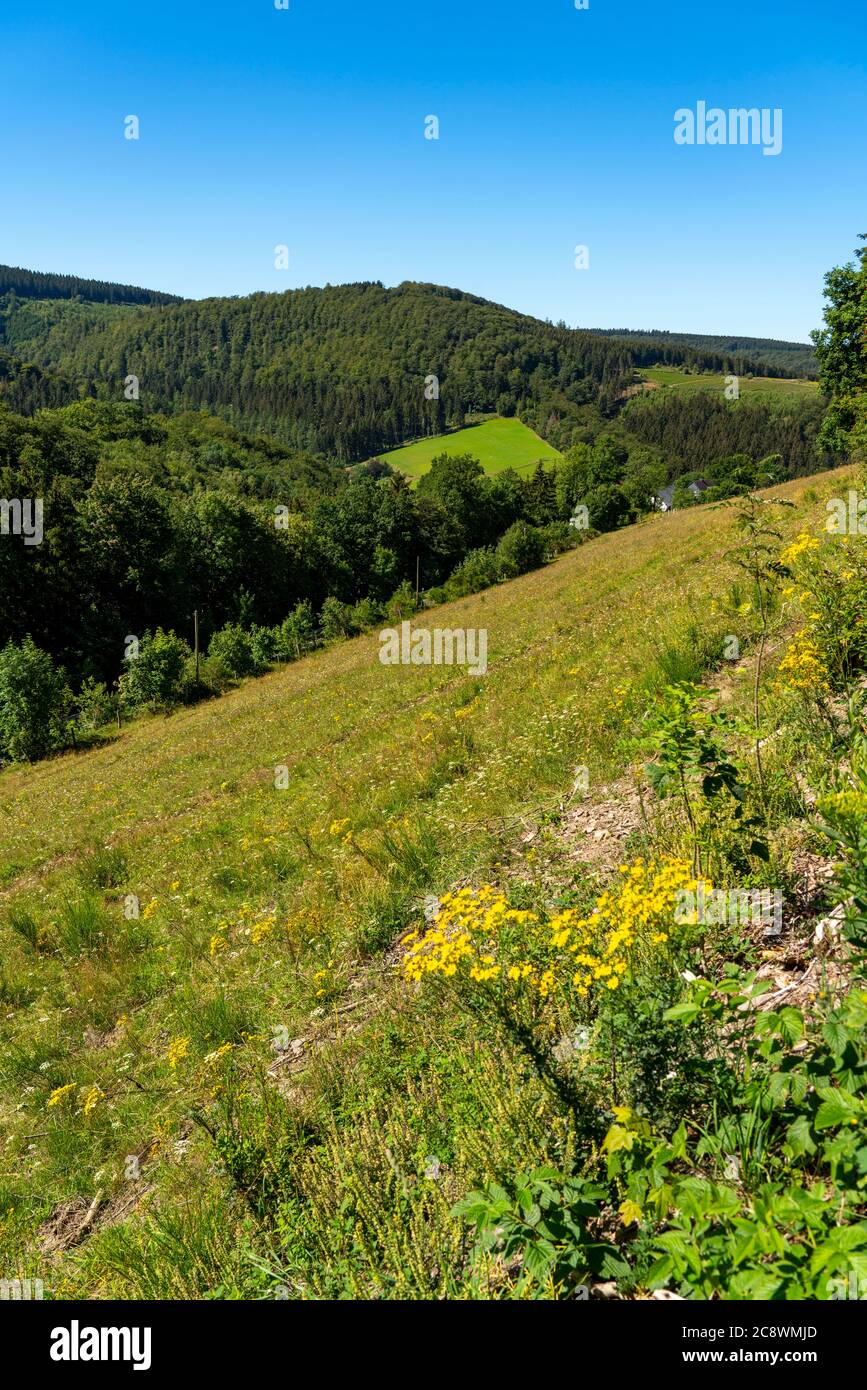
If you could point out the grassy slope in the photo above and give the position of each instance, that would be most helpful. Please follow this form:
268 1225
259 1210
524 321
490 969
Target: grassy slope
497 444
760 387
440 762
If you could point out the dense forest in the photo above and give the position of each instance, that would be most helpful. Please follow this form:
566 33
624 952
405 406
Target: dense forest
148 518
35 284
761 356
693 430
25 387
348 370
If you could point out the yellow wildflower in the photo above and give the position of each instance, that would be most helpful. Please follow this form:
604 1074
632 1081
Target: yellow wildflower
92 1096
177 1052
60 1094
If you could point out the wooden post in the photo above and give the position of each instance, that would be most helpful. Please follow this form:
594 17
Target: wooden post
417 573
196 640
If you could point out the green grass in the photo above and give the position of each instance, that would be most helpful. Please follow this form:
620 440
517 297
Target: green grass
497 444
676 379
403 781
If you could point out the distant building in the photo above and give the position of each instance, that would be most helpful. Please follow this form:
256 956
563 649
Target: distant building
664 501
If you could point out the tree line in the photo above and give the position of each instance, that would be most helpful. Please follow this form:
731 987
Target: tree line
36 284
693 429
759 356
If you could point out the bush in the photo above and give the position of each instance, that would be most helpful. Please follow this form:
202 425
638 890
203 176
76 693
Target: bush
95 706
213 678
35 703
235 650
296 634
402 603
155 678
522 548
264 641
478 571
336 621
559 536
364 615
608 507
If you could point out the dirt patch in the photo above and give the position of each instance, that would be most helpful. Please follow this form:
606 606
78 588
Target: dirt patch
95 1038
594 832
68 1224
73 1220
827 978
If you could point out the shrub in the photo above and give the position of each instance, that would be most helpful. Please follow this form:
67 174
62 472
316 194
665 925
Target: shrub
559 536
212 678
264 642
479 570
522 548
296 634
95 706
234 649
364 615
608 507
155 678
337 621
543 1223
401 604
35 703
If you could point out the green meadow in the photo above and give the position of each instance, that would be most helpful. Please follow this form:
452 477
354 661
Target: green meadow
762 387
497 444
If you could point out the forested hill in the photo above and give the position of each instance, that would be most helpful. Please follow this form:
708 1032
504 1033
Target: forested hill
768 356
343 370
35 284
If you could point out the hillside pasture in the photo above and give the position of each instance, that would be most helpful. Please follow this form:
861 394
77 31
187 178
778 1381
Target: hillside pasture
498 444
761 388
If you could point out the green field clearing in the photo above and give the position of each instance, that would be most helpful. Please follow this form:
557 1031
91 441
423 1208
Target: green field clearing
763 386
497 444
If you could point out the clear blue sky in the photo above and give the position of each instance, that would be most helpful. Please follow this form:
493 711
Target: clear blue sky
306 127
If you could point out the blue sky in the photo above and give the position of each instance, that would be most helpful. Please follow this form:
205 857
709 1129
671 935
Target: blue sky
305 127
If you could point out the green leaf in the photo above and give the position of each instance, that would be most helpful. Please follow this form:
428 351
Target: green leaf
538 1258
660 1272
791 1024
839 1109
836 1035
684 1012
799 1137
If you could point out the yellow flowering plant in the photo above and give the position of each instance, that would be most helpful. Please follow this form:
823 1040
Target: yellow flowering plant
177 1051
803 667
476 936
829 589
61 1094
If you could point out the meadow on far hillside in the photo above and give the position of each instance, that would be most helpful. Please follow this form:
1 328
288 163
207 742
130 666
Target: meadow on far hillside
497 444
763 387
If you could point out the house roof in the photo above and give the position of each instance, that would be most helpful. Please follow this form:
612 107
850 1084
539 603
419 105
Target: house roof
666 496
